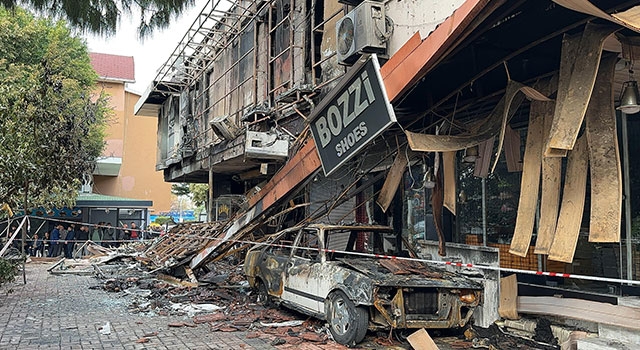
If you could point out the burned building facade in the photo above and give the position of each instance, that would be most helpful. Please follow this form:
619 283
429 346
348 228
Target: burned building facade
498 109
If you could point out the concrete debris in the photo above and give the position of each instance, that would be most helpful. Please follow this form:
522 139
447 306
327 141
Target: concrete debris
106 329
193 309
282 324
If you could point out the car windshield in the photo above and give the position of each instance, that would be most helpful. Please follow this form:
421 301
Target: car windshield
361 241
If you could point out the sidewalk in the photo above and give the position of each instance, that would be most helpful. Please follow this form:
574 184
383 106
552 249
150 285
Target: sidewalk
61 312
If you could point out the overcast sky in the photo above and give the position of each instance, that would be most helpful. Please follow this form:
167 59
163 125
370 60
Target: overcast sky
150 54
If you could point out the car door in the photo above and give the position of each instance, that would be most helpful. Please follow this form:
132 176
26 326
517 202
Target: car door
274 260
303 274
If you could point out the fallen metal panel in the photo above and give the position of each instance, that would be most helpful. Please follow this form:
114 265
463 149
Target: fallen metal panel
449 168
530 183
572 208
570 109
394 177
629 19
604 155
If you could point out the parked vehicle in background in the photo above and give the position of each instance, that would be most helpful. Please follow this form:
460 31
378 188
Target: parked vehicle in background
330 272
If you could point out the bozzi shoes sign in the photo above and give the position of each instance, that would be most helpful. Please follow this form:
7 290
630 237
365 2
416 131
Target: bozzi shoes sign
352 115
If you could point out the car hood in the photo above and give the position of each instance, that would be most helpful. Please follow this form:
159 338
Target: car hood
404 273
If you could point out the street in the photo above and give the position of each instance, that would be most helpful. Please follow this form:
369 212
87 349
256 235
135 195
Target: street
61 312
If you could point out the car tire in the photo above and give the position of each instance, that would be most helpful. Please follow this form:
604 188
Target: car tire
263 294
348 323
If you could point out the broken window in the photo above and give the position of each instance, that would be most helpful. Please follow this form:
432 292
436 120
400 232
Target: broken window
308 247
284 244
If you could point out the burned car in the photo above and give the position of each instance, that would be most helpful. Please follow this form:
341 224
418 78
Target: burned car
336 273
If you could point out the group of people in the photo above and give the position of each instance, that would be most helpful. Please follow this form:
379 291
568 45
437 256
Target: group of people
63 241
108 236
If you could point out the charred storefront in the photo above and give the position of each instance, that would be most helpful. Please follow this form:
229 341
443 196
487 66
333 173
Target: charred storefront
507 124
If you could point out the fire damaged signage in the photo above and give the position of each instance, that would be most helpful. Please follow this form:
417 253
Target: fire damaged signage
352 115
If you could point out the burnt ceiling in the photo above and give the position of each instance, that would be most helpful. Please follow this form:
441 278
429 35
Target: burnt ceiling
521 37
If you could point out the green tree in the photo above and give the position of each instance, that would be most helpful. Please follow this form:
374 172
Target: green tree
101 17
200 194
181 189
52 124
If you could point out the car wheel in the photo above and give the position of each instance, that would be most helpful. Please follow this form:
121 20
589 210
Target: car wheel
347 322
263 295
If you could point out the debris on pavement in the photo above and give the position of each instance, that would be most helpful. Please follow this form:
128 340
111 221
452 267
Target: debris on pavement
154 278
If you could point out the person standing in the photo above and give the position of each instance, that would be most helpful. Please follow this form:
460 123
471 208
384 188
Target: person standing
81 237
46 245
55 238
109 236
36 246
96 234
135 234
63 241
71 236
125 234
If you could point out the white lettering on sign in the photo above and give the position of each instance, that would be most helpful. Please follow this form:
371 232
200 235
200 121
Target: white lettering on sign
351 139
336 120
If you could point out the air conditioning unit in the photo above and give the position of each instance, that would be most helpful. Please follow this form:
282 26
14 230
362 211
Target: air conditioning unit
361 31
224 127
265 145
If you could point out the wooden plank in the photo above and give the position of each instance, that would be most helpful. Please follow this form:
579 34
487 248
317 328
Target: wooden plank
394 177
572 207
604 155
530 183
191 275
449 168
420 340
570 44
550 197
512 150
570 109
532 94
604 313
508 307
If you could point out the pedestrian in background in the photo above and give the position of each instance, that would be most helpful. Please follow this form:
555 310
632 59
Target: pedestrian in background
81 237
55 237
63 241
35 249
125 233
109 236
46 244
71 236
96 234
135 234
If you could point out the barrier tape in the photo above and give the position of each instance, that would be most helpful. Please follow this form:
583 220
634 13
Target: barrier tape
383 256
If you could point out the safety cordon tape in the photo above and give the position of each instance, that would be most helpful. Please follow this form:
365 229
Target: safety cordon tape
392 257
458 264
